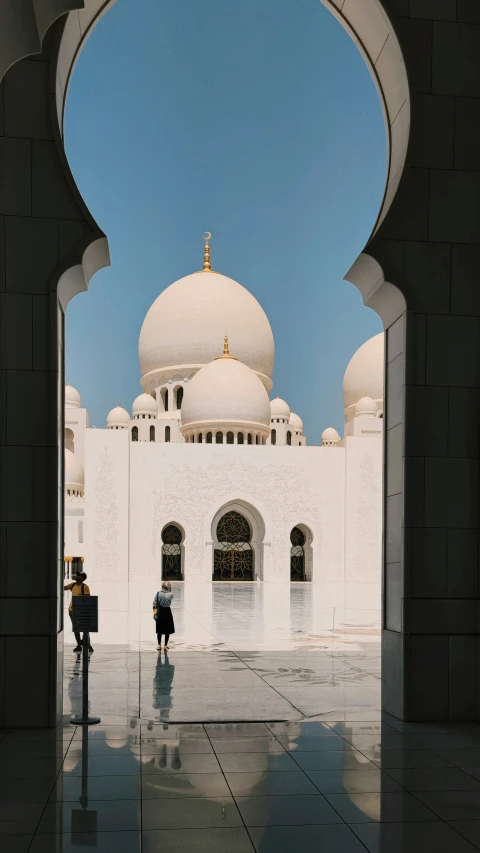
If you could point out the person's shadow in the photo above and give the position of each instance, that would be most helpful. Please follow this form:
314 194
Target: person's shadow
162 687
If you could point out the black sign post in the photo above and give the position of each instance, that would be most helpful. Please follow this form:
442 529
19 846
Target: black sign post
85 618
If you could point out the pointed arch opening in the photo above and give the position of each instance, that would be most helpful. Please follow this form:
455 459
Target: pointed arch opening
238 533
301 554
172 552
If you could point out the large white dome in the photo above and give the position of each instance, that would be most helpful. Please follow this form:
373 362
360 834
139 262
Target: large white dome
364 374
185 323
74 473
225 394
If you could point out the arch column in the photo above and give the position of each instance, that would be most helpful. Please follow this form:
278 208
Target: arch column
428 246
49 249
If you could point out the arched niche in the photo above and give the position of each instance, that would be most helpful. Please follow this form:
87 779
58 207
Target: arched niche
305 542
173 551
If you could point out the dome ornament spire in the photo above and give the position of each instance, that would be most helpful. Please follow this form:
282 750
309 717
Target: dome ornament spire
207 267
226 350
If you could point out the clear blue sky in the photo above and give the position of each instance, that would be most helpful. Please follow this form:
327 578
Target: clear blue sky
257 121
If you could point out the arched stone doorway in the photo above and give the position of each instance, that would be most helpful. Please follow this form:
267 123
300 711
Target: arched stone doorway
233 554
172 553
426 233
237 536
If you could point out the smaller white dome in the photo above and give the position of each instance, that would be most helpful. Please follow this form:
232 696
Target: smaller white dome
296 422
226 393
118 417
366 408
72 397
74 473
364 374
330 436
145 404
279 408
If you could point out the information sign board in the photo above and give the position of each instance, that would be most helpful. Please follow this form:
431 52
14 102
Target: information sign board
85 613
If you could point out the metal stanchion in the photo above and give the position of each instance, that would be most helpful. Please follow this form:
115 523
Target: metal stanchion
85 615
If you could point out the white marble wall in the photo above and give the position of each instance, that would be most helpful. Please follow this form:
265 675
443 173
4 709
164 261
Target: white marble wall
134 489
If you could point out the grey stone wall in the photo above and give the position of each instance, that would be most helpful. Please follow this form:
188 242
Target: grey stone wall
428 246
44 231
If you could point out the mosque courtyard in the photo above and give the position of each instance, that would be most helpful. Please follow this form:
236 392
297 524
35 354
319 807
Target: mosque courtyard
241 651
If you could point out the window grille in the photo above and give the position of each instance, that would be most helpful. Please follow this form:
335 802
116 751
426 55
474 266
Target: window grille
135 433
289 437
240 438
229 437
152 433
219 438
209 437
274 436
167 433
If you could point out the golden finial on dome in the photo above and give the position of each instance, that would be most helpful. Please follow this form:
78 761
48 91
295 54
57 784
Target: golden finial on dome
226 350
206 257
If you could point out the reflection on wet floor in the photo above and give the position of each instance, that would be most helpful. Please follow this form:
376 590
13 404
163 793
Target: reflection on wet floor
338 787
254 733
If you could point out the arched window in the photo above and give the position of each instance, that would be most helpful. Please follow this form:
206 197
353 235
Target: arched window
240 438
233 552
165 399
167 433
219 438
256 439
297 555
152 433
289 437
249 438
273 436
192 438
229 437
69 440
200 437
209 437
171 553
135 433
179 397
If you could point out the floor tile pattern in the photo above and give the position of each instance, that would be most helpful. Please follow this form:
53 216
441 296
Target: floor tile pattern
138 787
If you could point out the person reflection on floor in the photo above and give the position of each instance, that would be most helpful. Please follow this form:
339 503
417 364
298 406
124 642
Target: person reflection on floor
162 687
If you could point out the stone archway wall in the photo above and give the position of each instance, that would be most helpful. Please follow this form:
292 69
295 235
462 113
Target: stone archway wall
419 272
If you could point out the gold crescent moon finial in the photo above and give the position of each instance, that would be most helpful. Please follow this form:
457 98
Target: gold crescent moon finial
206 256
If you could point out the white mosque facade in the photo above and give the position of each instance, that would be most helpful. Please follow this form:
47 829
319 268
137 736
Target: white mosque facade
209 480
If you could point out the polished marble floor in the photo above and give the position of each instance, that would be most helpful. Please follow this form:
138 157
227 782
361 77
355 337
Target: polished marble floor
308 785
256 732
240 652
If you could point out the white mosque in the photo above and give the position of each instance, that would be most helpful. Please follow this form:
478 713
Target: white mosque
210 480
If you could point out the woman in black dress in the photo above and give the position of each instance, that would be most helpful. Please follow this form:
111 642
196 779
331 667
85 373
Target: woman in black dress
162 613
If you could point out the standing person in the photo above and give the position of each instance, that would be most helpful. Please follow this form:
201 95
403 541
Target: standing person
162 613
78 587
